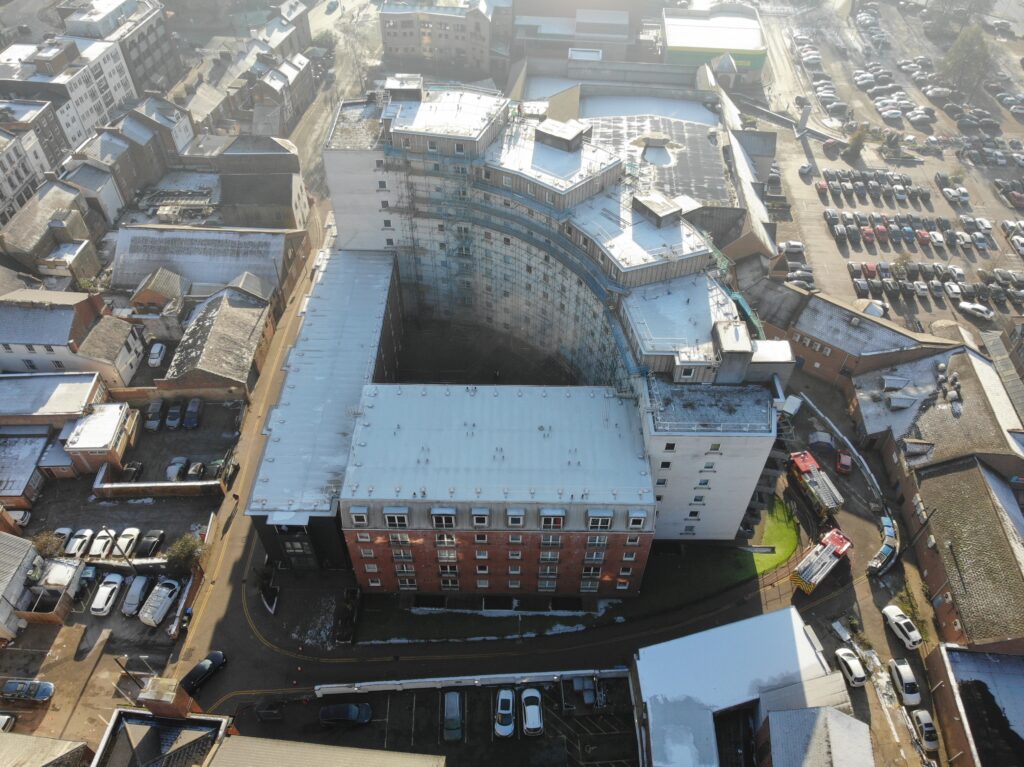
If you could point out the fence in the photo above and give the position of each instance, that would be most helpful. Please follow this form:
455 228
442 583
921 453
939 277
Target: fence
103 489
484 680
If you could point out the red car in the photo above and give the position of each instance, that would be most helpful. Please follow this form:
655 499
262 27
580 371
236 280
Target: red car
881 233
822 187
870 270
844 461
922 237
867 233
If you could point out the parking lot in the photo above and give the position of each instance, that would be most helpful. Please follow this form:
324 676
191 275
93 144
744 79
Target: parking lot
411 720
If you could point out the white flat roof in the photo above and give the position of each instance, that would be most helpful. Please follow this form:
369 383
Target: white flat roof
676 317
630 238
46 394
98 430
309 431
520 153
498 444
446 113
683 682
719 31
18 457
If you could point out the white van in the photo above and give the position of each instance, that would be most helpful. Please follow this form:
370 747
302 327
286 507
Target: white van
136 595
159 603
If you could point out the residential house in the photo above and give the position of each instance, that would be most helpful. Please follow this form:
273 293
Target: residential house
158 289
17 558
296 13
49 330
102 436
281 95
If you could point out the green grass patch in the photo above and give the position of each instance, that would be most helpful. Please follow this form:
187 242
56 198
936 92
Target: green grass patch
782 531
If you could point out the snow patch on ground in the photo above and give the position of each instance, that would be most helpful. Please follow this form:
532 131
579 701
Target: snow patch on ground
558 628
561 628
319 632
602 606
145 501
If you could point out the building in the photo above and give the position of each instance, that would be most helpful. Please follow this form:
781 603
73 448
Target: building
137 27
44 752
20 451
102 436
28 399
19 178
87 80
558 32
686 689
49 330
819 736
158 289
17 558
281 95
705 30
40 119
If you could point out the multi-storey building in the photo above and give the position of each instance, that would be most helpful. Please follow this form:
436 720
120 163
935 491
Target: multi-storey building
139 29
87 80
21 116
18 174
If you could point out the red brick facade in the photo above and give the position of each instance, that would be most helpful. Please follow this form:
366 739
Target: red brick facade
494 561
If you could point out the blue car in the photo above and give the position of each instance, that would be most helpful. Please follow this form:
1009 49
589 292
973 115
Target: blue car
27 689
908 234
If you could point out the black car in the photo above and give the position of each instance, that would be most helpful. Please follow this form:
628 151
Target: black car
202 671
174 415
154 415
192 413
346 713
132 471
149 544
981 291
943 224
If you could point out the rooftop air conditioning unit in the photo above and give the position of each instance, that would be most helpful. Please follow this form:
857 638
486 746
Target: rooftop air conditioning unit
855 321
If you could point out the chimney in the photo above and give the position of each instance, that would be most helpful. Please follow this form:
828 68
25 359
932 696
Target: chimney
165 697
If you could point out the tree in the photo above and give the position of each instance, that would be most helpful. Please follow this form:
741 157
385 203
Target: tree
327 40
183 554
48 545
968 61
855 146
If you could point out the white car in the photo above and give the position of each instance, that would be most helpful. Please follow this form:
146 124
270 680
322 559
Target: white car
851 667
980 241
20 517
983 224
921 287
106 594
952 290
902 626
892 114
925 728
904 682
533 715
102 544
156 354
1018 244
791 246
950 194
505 714
976 310
936 239
78 544
958 273
64 533
126 541
963 194
899 192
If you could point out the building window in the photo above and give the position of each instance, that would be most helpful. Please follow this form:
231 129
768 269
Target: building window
29 364
637 519
398 539
551 571
709 466
662 482
366 553
396 521
594 556
389 242
591 571
547 585
551 541
443 521
625 572
448 569
444 540
7 347
698 499
370 567
597 541
450 584
447 555
666 464
633 540
704 483
373 582
695 514
49 349
687 530
515 538
382 184
515 554
363 537
630 556
589 584
379 163
403 568
515 517
460 148
407 584
406 143
480 538
552 519
30 348
550 556
670 447
57 364
384 205
481 517
622 585
716 447
514 584
387 223
483 583
481 554
515 569
431 146
402 555
506 181
603 522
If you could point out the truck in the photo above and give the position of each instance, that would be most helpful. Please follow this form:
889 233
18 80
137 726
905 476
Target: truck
813 484
820 561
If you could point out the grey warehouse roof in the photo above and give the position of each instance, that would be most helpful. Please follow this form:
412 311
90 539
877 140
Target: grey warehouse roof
13 551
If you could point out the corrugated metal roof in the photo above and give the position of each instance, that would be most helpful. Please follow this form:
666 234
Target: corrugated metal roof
245 751
852 331
13 551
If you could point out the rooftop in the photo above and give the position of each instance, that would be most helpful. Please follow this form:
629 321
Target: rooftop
990 688
676 317
31 222
978 527
334 356
855 332
262 752
450 112
106 339
823 737
20 110
38 316
714 30
685 408
498 444
46 394
165 283
356 126
517 151
21 749
685 681
100 428
18 457
13 550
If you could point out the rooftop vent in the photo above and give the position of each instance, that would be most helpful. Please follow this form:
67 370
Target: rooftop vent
658 208
567 136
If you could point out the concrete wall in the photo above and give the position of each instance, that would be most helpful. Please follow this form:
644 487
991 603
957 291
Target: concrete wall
104 489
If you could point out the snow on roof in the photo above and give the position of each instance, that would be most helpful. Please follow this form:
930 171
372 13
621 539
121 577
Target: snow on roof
498 444
99 429
454 112
18 457
46 394
1003 677
684 681
875 401
310 429
720 30
677 316
822 736
854 332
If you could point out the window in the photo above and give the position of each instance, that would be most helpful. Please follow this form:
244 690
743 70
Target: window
379 163
625 572
622 585
406 584
402 555
480 538
387 223
550 571
709 466
370 567
515 569
594 556
515 554
366 553
450 584
49 349
373 582
633 540
448 569
57 364
515 538
589 584
551 541
481 517
687 530
666 464
481 554
389 242
460 148
637 519
382 184
698 499
630 556
515 517
30 348
396 520
444 540
29 364
549 556
398 539
483 583
552 519
703 483
694 514
384 204
403 568
514 584
597 541
716 447
547 585
447 555
662 482
7 347
482 569
599 520
363 537
431 146
670 447
506 181
443 519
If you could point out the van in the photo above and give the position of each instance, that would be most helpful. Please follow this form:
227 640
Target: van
136 595
452 716
159 602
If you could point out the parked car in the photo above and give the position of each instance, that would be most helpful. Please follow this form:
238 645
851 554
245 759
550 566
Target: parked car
78 544
126 541
976 310
209 666
851 667
844 461
904 682
174 415
27 689
533 714
154 415
192 413
150 544
177 468
64 534
925 728
157 352
7 722
791 247
20 517
136 595
505 713
102 544
159 602
106 594
452 716
902 626
345 714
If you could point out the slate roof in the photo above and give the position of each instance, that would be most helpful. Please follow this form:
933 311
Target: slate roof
222 337
13 550
11 280
829 321
977 525
822 737
19 749
165 282
250 283
26 227
106 339
38 316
